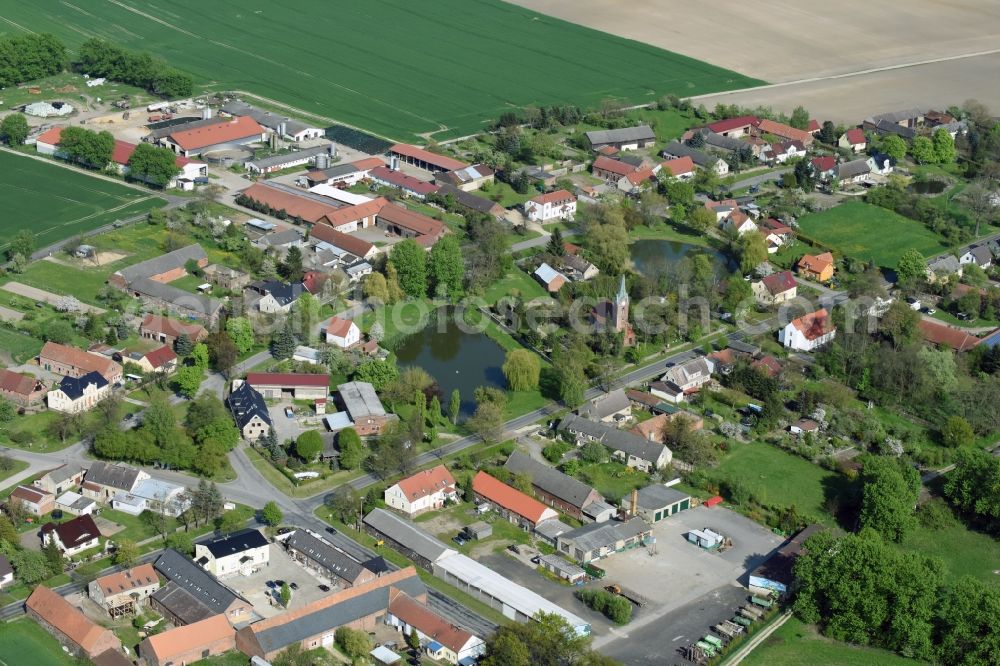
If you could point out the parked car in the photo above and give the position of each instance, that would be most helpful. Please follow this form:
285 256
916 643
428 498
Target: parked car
514 549
278 583
293 585
325 588
964 316
331 530
459 539
536 559
289 413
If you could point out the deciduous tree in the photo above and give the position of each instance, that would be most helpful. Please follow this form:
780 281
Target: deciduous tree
308 445
446 267
522 368
271 514
153 164
890 490
409 260
14 129
351 449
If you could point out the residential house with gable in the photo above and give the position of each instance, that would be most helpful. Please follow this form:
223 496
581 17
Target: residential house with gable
75 395
440 638
424 491
238 554
775 288
817 267
558 205
250 412
808 332
124 592
72 362
853 139
74 536
22 390
630 449
60 479
342 333
103 480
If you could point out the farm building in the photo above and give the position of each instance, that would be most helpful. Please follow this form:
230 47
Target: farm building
72 628
75 504
424 491
607 407
554 488
468 178
409 224
241 553
124 592
60 479
549 278
424 159
364 407
167 330
677 150
72 362
229 133
250 412
442 639
562 568
328 237
471 201
104 480
281 161
313 625
406 537
656 502
274 385
408 185
192 594
352 218
629 448
597 540
283 126
296 205
626 138
775 573
22 390
520 509
315 553
190 643
36 501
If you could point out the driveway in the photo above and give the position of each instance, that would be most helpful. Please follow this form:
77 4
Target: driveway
37 294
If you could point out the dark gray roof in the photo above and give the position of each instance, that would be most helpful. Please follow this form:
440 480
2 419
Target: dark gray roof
678 149
74 387
889 127
197 582
163 263
122 477
550 529
852 168
282 292
265 118
325 555
406 534
338 615
467 199
605 405
360 400
623 135
179 602
239 542
63 472
288 158
595 535
897 116
722 142
245 402
279 238
204 305
946 263
550 480
658 496
613 438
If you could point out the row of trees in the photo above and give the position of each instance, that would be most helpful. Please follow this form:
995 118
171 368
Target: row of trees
439 272
29 57
98 57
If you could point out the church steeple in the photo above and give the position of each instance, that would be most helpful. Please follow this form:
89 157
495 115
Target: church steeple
621 307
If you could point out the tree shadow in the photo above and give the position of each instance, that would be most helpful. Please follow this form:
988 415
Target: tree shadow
842 498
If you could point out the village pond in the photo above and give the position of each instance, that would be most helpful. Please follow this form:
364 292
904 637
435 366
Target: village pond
455 358
655 256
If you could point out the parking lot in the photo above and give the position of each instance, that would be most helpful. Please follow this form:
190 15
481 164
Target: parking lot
265 600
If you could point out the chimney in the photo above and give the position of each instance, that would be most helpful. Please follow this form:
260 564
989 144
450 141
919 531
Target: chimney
635 503
394 163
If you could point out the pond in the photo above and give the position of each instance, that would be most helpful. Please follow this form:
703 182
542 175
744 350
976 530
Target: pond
656 255
455 358
929 187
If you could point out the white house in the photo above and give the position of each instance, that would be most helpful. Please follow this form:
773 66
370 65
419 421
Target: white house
342 333
6 572
73 536
558 205
242 554
979 255
739 222
75 504
775 288
78 394
424 491
808 332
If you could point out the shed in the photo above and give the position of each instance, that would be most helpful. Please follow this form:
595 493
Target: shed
562 567
657 502
383 655
479 530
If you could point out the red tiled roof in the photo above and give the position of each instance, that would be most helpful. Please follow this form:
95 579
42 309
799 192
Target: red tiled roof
50 136
13 382
30 494
856 136
779 283
367 164
411 220
815 263
777 226
68 620
614 166
679 166
607 150
640 176
729 124
172 327
508 498
175 644
446 163
403 181
825 163
351 214
160 357
814 126
429 623
784 131
125 581
339 327
313 281
556 197
942 334
286 379
305 208
815 324
78 358
356 246
240 127
768 365
123 151
427 482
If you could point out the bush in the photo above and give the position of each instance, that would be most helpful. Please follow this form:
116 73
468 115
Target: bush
554 452
615 608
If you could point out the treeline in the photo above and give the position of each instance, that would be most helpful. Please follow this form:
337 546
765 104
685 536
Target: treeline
29 57
98 57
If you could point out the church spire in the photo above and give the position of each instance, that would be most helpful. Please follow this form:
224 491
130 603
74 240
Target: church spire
622 294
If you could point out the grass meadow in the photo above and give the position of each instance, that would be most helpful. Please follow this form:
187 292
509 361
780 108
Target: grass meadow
393 67
25 642
870 233
796 643
56 203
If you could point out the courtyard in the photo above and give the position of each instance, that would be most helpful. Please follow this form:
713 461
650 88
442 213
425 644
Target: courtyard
281 567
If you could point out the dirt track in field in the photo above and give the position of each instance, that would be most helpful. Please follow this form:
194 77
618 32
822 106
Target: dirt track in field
806 44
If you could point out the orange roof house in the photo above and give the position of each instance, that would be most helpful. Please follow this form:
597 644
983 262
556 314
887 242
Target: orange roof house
423 491
816 267
165 329
511 502
425 159
765 126
189 643
69 625
682 166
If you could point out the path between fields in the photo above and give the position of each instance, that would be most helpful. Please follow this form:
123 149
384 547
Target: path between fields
47 296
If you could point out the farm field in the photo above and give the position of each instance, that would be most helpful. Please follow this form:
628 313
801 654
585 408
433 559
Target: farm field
870 233
389 66
796 643
57 203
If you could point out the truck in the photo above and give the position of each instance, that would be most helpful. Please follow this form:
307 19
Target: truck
751 613
634 597
728 629
742 621
762 602
707 648
594 571
714 641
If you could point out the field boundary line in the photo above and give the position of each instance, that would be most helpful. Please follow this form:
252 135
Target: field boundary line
65 165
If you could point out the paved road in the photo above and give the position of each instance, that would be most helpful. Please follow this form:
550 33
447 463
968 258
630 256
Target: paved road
539 240
769 177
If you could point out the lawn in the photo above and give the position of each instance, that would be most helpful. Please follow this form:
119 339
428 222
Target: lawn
612 479
777 478
508 198
398 320
516 283
796 643
21 347
965 553
25 642
56 203
448 68
668 124
68 86
870 233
